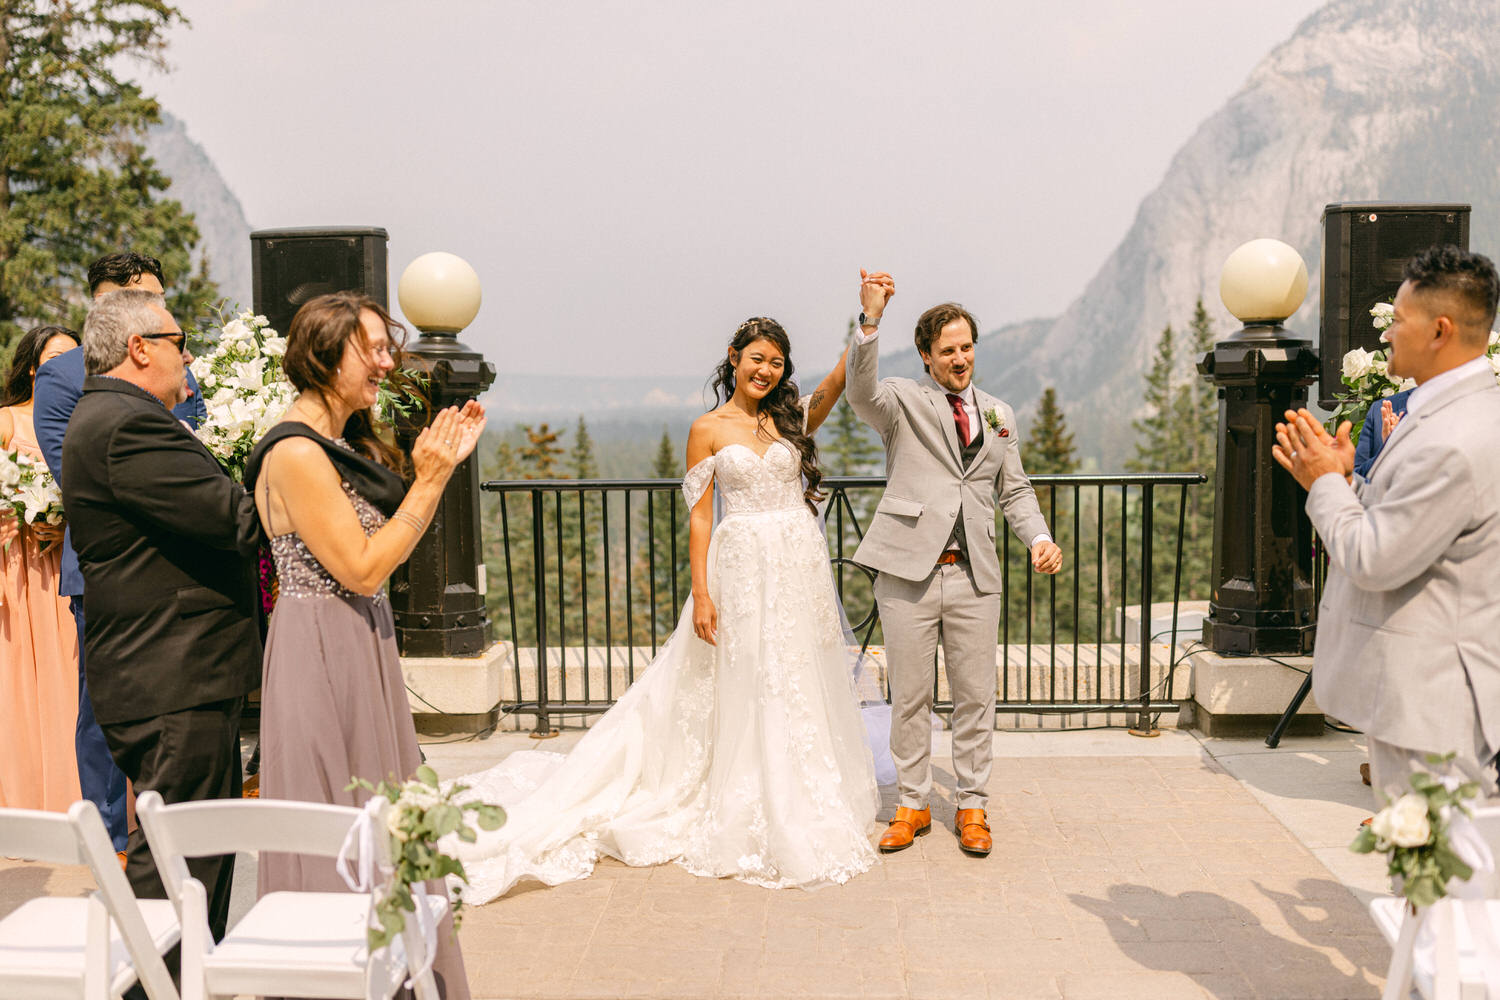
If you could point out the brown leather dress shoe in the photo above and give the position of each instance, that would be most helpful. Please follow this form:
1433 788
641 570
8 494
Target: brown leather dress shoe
905 826
973 832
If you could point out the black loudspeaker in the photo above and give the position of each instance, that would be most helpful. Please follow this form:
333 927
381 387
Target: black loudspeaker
291 266
1365 247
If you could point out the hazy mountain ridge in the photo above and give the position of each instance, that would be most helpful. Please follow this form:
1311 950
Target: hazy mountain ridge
1369 100
224 235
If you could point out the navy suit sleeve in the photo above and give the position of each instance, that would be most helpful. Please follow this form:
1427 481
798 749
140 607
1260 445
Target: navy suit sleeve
192 409
57 393
1369 444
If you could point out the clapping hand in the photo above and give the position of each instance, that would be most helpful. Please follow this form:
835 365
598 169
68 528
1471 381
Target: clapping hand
1307 451
1389 418
448 440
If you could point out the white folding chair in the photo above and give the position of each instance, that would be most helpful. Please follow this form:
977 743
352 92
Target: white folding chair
1450 950
302 944
92 947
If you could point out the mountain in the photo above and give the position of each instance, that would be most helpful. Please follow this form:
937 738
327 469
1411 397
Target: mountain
1369 100
224 235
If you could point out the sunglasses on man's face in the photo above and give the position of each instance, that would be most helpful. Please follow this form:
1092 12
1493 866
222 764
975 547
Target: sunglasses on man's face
176 338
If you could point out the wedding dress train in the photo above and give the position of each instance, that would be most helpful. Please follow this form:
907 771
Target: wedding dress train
746 759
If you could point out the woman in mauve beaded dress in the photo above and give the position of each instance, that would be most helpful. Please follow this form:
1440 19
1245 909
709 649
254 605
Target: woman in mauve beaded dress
340 519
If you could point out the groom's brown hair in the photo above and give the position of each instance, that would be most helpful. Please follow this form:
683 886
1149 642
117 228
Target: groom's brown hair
931 323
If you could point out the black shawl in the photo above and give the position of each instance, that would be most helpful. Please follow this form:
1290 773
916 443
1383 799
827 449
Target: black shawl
371 480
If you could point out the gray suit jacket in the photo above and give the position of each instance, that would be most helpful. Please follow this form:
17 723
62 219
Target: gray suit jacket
927 487
1409 626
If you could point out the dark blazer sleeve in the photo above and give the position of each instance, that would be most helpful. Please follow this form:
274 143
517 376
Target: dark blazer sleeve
59 383
193 409
159 470
1372 437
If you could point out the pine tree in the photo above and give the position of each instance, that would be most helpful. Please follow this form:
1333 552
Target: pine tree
581 459
1049 445
661 584
1197 417
539 456
75 180
1158 443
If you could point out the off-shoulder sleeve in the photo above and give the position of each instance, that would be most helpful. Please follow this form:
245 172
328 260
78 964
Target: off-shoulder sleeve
697 480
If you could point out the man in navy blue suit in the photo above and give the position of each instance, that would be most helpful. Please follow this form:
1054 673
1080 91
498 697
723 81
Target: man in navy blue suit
59 384
1372 436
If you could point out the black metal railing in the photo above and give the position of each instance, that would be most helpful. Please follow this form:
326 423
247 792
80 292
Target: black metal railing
595 571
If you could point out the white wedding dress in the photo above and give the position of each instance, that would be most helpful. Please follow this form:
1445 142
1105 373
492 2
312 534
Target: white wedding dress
747 759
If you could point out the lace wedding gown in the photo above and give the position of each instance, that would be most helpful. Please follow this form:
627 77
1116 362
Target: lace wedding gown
746 759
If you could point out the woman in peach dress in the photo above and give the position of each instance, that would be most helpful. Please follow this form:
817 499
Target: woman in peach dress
38 637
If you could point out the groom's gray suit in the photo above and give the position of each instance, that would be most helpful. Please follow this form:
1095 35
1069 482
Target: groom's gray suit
1409 626
932 496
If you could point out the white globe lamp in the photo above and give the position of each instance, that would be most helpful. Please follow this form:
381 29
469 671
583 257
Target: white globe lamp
439 292
1263 282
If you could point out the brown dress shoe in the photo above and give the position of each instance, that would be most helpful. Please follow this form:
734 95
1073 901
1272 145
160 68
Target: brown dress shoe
121 856
973 832
906 826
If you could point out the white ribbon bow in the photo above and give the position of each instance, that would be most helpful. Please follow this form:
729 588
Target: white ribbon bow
361 838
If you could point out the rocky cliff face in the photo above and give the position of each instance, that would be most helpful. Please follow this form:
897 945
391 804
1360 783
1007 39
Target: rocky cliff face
1370 100
196 182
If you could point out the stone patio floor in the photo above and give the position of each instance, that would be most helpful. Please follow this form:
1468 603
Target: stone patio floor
1123 867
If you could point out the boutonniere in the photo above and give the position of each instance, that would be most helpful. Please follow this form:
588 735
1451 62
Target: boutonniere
996 421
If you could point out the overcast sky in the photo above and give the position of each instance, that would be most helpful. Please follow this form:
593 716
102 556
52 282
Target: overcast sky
632 180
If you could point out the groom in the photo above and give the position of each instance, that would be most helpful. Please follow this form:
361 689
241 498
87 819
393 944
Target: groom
949 451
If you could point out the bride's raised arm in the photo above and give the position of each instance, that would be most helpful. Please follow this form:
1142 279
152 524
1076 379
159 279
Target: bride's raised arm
820 404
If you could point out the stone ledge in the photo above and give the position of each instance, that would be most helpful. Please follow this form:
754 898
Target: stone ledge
456 694
1246 695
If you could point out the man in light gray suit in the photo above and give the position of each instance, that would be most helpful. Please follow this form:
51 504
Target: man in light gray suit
1408 643
950 449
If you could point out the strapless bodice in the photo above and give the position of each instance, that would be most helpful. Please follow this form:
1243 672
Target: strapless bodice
749 483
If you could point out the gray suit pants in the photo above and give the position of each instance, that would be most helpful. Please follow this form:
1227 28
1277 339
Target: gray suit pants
915 617
1392 766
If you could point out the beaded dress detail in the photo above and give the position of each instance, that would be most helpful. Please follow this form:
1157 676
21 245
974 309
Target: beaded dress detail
745 759
298 571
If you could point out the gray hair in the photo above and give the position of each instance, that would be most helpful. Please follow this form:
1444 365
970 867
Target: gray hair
114 319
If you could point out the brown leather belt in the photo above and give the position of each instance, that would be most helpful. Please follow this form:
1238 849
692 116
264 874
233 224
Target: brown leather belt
949 557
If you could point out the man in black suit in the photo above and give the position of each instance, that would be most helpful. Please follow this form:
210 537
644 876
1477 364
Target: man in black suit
165 541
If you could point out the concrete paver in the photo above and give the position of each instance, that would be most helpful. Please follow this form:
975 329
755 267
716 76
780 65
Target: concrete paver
1161 868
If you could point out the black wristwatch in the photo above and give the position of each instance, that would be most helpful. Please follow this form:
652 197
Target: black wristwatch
864 320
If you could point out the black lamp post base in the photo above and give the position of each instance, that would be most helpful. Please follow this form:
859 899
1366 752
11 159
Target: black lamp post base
1229 637
457 640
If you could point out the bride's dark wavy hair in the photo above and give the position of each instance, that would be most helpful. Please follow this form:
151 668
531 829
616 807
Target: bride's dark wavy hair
781 403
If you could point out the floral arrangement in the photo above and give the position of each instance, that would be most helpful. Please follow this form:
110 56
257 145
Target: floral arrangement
1367 380
1415 831
993 417
244 389
28 490
422 812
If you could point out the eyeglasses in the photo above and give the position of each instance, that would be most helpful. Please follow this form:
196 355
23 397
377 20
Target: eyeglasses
177 338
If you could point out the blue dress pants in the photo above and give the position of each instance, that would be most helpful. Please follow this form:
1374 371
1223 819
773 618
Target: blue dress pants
100 781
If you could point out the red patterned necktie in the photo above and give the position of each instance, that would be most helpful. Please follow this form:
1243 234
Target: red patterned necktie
960 419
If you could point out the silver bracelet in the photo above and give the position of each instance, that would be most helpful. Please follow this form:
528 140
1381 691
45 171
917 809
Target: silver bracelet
407 517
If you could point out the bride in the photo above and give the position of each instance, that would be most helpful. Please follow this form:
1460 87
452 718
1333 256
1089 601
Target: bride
740 752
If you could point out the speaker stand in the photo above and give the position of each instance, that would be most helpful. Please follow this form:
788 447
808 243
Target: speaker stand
1292 706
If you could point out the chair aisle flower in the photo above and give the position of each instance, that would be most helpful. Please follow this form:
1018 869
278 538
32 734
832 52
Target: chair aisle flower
1416 833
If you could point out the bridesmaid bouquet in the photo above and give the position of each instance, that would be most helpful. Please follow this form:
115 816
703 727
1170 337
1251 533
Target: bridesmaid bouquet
28 490
244 388
422 812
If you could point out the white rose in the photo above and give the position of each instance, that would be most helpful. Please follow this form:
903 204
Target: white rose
1383 315
1403 822
10 474
393 824
1494 360
259 320
1494 337
1378 366
235 331
201 367
273 346
1356 364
